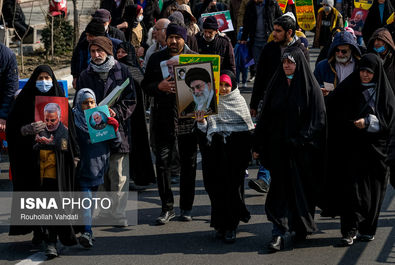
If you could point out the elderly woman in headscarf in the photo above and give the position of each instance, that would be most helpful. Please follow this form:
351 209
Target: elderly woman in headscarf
225 144
288 141
363 110
27 166
142 169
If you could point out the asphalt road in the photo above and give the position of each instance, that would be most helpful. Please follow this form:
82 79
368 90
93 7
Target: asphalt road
194 243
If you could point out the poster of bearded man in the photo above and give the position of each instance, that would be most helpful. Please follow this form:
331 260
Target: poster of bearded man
195 90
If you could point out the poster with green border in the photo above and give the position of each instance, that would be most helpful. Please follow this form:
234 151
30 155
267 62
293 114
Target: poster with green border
305 14
200 58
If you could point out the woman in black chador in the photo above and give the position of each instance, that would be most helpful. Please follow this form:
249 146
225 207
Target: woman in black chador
44 168
289 141
362 107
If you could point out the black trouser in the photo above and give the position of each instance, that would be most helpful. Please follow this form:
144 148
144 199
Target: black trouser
164 151
187 145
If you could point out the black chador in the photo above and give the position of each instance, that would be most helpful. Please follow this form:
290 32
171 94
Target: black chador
289 139
364 175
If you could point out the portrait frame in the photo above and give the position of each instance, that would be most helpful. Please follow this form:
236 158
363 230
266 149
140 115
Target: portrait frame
186 104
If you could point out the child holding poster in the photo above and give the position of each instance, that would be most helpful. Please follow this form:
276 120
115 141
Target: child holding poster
94 157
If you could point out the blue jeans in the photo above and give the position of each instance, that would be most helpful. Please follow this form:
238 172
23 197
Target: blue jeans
264 175
87 213
244 73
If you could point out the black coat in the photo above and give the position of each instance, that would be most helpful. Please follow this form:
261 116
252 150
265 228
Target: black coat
165 113
123 107
269 61
271 12
8 80
365 169
151 13
115 33
9 9
222 46
116 12
373 21
289 138
141 169
24 160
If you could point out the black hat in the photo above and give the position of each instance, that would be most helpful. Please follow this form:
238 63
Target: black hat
177 30
210 23
95 28
102 15
197 74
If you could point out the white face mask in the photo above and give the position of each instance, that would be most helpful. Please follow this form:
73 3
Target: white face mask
140 18
106 28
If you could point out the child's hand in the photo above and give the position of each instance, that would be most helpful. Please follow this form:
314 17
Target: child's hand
113 122
199 116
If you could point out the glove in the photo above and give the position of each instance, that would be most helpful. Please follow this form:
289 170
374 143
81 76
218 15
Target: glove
33 128
392 176
113 122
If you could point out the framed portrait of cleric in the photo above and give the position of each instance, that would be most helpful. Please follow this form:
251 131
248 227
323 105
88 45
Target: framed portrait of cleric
195 89
53 111
98 128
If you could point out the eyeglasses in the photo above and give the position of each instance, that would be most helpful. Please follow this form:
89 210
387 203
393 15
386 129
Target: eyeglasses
342 51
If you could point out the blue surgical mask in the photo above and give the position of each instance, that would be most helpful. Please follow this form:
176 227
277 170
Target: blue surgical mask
44 86
368 84
379 49
290 77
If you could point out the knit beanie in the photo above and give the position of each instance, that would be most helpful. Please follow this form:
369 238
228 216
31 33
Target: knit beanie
210 23
176 29
95 28
177 17
104 43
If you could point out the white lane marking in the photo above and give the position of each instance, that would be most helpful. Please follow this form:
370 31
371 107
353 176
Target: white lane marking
34 259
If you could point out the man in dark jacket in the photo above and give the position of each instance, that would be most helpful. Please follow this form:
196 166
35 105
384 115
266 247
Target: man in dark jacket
117 10
8 81
15 18
258 24
168 129
210 41
104 16
270 59
343 56
81 56
102 76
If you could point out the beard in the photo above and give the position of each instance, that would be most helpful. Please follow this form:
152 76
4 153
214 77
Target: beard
343 60
52 128
208 39
99 61
202 98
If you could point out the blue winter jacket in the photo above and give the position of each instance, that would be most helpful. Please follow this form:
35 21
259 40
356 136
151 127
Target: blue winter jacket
325 71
